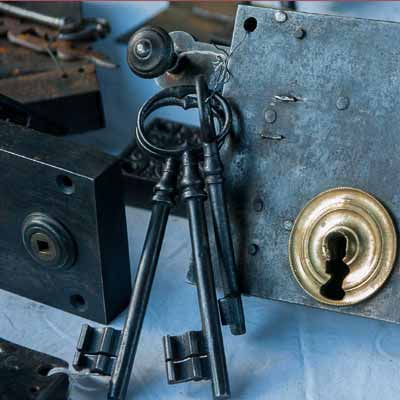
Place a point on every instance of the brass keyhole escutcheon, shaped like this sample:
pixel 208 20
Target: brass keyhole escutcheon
pixel 342 246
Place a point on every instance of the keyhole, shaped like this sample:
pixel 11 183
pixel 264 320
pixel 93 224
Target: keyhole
pixel 335 266
pixel 43 247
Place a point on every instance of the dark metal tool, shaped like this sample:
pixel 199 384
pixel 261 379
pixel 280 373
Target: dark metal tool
pixel 163 200
pixel 175 58
pixel 208 361
pixel 69 28
pixel 193 194
pixel 25 374
pixel 231 307
pixel 151 53
pixel 43 39
pixel 213 359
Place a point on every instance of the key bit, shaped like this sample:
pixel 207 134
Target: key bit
pixel 186 358
pixel 194 197
pixel 97 350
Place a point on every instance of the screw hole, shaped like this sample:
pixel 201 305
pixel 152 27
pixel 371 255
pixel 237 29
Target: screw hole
pixel 65 184
pixel 78 302
pixel 81 70
pixel 64 76
pixel 44 369
pixel 250 24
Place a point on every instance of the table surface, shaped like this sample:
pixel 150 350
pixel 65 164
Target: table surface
pixel 289 352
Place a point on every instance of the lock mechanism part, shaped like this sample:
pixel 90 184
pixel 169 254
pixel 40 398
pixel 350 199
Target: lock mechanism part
pixel 342 246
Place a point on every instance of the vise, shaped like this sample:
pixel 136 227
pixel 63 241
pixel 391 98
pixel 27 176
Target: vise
pixel 63 239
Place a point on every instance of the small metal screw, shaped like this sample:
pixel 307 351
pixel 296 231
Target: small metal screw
pixel 288 225
pixel 280 16
pixel 299 33
pixel 258 205
pixel 253 249
pixel 143 49
pixel 342 103
pixel 270 116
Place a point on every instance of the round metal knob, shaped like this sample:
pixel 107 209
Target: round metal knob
pixel 370 244
pixel 151 52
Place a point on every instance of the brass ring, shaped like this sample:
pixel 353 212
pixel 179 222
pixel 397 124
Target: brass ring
pixel 370 250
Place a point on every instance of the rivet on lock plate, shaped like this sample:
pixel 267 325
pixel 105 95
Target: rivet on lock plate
pixel 342 247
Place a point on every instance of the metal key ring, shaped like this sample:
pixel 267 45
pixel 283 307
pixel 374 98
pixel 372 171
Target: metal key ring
pixel 181 96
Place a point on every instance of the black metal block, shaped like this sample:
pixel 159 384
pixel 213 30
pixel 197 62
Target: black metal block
pixel 24 374
pixel 63 239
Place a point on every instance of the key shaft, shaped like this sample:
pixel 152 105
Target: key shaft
pixel 194 197
pixel 163 201
pixel 232 313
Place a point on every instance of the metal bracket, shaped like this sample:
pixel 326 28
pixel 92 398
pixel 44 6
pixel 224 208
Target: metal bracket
pixel 186 358
pixel 97 350
pixel 203 58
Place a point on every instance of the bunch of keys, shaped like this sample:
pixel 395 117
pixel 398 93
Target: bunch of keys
pixel 64 38
pixel 195 355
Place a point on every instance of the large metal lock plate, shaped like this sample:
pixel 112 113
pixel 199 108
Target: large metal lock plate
pixel 316 99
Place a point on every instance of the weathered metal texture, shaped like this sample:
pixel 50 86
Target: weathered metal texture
pixel 70 97
pixel 333 92
pixel 63 239
pixel 24 374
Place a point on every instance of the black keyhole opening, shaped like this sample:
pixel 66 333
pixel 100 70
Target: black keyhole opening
pixel 335 267
pixel 43 247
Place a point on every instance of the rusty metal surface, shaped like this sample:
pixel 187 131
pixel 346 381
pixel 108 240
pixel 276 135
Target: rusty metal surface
pixel 17 61
pixel 31 88
pixel 329 97
pixel 70 96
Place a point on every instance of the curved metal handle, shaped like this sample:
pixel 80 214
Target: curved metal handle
pixel 184 97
